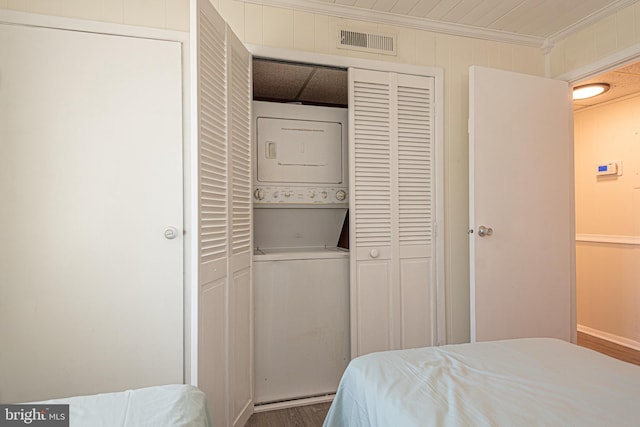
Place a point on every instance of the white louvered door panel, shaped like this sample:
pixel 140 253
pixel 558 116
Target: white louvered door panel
pixel 371 210
pixel 392 192
pixel 212 147
pixel 240 293
pixel 415 209
pixel 211 94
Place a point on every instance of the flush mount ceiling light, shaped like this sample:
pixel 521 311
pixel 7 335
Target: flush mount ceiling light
pixel 589 90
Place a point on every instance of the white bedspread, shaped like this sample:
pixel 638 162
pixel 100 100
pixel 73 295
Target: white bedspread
pixel 526 382
pixel 176 405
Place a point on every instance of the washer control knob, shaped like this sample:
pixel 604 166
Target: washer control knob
pixel 259 194
pixel 341 195
pixel 324 194
pixel 312 194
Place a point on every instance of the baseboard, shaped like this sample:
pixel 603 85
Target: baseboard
pixel 244 416
pixel 293 403
pixel 625 342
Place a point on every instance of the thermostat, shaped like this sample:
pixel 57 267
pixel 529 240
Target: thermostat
pixel 612 168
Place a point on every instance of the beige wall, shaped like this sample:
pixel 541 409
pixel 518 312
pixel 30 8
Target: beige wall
pixel 607 36
pixel 608 274
pixel 290 29
pixel 167 14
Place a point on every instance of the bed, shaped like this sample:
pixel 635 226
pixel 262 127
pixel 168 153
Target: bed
pixel 523 382
pixel 176 405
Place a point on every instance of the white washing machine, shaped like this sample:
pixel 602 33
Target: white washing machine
pixel 301 323
pixel 300 277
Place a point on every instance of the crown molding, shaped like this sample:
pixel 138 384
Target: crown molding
pixel 349 12
pixel 610 9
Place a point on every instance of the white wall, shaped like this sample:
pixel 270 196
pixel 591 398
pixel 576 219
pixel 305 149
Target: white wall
pixel 608 209
pixel 607 36
pixel 311 32
pixel 167 14
pixel 291 29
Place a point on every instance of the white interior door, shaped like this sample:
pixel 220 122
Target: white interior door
pixel 90 178
pixel 521 192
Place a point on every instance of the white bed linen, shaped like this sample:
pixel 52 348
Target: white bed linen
pixel 176 405
pixel 525 382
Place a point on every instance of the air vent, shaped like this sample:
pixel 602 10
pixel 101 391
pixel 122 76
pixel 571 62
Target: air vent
pixel 367 42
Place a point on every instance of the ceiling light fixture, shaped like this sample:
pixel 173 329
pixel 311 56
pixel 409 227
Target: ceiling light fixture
pixel 589 90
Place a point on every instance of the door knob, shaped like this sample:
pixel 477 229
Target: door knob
pixel 485 231
pixel 170 233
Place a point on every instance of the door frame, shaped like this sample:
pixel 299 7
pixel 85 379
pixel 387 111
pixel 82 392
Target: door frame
pixel 573 77
pixel 602 65
pixel 189 156
pixel 438 75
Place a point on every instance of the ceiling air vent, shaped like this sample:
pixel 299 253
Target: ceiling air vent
pixel 367 42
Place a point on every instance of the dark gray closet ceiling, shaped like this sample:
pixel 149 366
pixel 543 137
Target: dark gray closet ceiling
pixel 278 81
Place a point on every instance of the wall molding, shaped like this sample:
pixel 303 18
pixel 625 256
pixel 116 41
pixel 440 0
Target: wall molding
pixel 610 62
pixel 625 342
pixel 614 239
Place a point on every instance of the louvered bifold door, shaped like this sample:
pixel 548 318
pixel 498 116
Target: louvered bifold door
pixel 415 197
pixel 370 125
pixel 240 296
pixel 211 77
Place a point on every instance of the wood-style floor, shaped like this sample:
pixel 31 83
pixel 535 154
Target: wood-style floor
pixel 610 349
pixel 302 416
pixel 313 415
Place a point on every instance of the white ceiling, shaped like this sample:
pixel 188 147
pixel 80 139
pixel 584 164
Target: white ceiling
pixel 540 18
pixel 529 22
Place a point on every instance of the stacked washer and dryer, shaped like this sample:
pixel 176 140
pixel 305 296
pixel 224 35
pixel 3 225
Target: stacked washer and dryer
pixel 301 274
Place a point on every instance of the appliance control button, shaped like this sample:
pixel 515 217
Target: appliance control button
pixel 312 194
pixel 324 194
pixel 259 194
pixel 341 195
pixel 275 194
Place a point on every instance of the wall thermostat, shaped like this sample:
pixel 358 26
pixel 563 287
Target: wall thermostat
pixel 611 168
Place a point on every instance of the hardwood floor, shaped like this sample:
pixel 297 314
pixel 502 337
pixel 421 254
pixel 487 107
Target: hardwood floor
pixel 301 416
pixel 314 415
pixel 610 349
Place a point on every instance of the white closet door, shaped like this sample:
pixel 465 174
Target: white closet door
pixel 211 92
pixel 91 291
pixel 240 291
pixel 370 127
pixel 225 371
pixel 392 182
pixel 415 210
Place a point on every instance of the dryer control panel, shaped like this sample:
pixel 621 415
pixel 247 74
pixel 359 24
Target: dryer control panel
pixel 300 195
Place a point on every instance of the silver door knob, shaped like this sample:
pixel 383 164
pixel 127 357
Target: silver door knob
pixel 485 231
pixel 170 233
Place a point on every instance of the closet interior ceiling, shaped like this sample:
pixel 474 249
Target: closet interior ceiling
pixel 278 81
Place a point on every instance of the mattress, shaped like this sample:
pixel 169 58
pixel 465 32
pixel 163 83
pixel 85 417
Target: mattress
pixel 524 382
pixel 176 405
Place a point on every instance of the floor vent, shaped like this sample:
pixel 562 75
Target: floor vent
pixel 367 42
